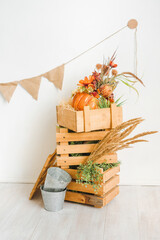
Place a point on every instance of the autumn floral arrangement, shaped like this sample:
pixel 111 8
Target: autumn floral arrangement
pixel 97 90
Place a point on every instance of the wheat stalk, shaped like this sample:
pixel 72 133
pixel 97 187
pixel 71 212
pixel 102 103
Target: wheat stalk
pixel 114 139
pixel 129 74
pixel 115 133
pixel 140 135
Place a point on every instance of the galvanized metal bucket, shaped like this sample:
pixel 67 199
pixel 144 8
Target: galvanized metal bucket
pixel 53 200
pixel 57 179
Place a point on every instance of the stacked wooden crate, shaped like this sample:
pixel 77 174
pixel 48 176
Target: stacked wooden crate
pixel 85 141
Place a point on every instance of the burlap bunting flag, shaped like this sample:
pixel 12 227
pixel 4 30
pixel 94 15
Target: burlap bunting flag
pixel 55 76
pixel 32 86
pixel 7 89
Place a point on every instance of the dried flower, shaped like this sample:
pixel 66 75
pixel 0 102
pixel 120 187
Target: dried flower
pixel 111 98
pixel 97 76
pixel 95 94
pixel 114 72
pixel 99 66
pixel 112 64
pixel 86 81
pixel 105 69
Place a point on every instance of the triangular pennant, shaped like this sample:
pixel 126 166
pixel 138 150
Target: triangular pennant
pixel 55 76
pixel 32 85
pixel 7 89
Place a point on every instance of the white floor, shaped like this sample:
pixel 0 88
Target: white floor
pixel 133 214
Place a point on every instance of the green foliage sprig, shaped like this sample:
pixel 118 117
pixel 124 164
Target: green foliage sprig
pixel 118 103
pixel 90 173
pixel 104 103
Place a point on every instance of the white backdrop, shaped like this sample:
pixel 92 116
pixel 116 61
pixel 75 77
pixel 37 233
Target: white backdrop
pixel 38 35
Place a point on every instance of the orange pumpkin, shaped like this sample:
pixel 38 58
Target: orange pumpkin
pixel 84 99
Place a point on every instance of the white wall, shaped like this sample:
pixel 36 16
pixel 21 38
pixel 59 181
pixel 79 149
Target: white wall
pixel 36 36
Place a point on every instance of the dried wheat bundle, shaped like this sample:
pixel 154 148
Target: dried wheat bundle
pixel 116 139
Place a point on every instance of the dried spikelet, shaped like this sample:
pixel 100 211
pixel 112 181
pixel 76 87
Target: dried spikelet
pixel 113 140
pixel 133 75
pixel 128 131
pixel 136 141
pixel 114 134
pixel 139 135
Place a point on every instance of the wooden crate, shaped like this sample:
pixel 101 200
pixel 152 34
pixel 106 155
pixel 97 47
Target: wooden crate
pixel 64 149
pixel 85 143
pixel 89 120
pixel 86 194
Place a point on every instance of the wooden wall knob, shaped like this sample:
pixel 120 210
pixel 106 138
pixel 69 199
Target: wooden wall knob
pixel 132 23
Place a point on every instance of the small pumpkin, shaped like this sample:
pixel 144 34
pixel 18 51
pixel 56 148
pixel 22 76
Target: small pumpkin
pixel 84 99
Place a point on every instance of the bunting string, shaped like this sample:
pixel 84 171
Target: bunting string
pixel 96 45
pixel 56 75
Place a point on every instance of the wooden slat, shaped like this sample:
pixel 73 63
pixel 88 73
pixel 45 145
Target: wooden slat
pixel 92 200
pixel 70 118
pixel 64 130
pixel 79 121
pixel 110 173
pixel 87 120
pixel 90 136
pixel 111 183
pixel 106 174
pixel 83 188
pixel 51 159
pixel 100 119
pixel 116 115
pixel 61 161
pixel 77 148
pixel 110 195
pixel 107 186
pixel 67 118
pixel 84 198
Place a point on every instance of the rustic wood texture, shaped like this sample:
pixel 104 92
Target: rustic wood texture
pixel 71 119
pixel 93 200
pixel 64 130
pixel 41 178
pixel 64 149
pixel 89 120
pixel 71 161
pixel 116 116
pixel 87 188
pixel 77 148
pixel 100 119
pixel 90 136
pixel 106 174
